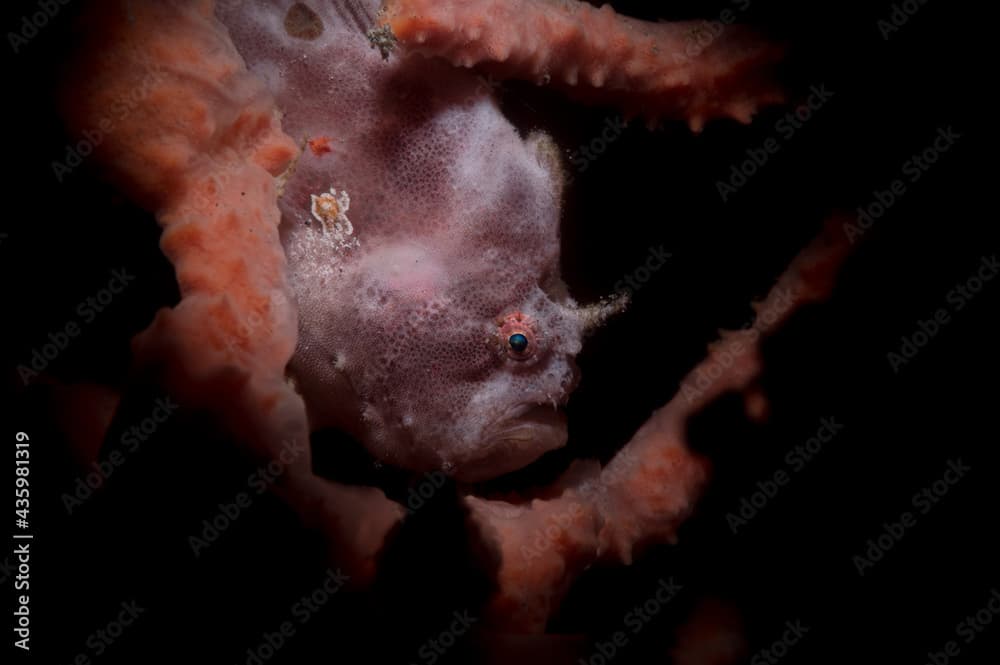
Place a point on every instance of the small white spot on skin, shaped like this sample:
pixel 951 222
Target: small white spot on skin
pixel 408 270
pixel 330 210
pixel 341 363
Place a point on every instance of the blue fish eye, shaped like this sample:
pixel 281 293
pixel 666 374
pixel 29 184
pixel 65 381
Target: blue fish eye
pixel 518 342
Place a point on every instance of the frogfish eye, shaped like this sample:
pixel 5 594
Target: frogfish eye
pixel 518 342
pixel 517 336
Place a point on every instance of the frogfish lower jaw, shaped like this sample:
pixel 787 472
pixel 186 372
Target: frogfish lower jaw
pixel 516 443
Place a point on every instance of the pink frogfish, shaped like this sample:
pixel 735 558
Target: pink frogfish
pixel 363 241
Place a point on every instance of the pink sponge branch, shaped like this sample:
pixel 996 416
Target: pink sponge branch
pixel 656 464
pixel 650 487
pixel 188 132
pixel 688 70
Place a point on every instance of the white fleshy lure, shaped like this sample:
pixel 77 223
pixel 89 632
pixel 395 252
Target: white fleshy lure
pixel 330 210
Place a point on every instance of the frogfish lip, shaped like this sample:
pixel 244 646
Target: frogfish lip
pixel 516 440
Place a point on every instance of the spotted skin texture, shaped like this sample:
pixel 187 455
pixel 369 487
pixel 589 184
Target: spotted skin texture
pixel 455 226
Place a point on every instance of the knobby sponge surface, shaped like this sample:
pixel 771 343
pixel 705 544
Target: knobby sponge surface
pixel 681 70
pixel 191 135
pixel 650 487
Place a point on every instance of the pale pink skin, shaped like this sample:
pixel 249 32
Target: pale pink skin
pixel 456 219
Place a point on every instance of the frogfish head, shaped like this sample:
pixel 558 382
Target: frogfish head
pixel 461 366
pixel 444 338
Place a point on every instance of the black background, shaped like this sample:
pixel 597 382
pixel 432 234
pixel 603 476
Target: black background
pixel 649 188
